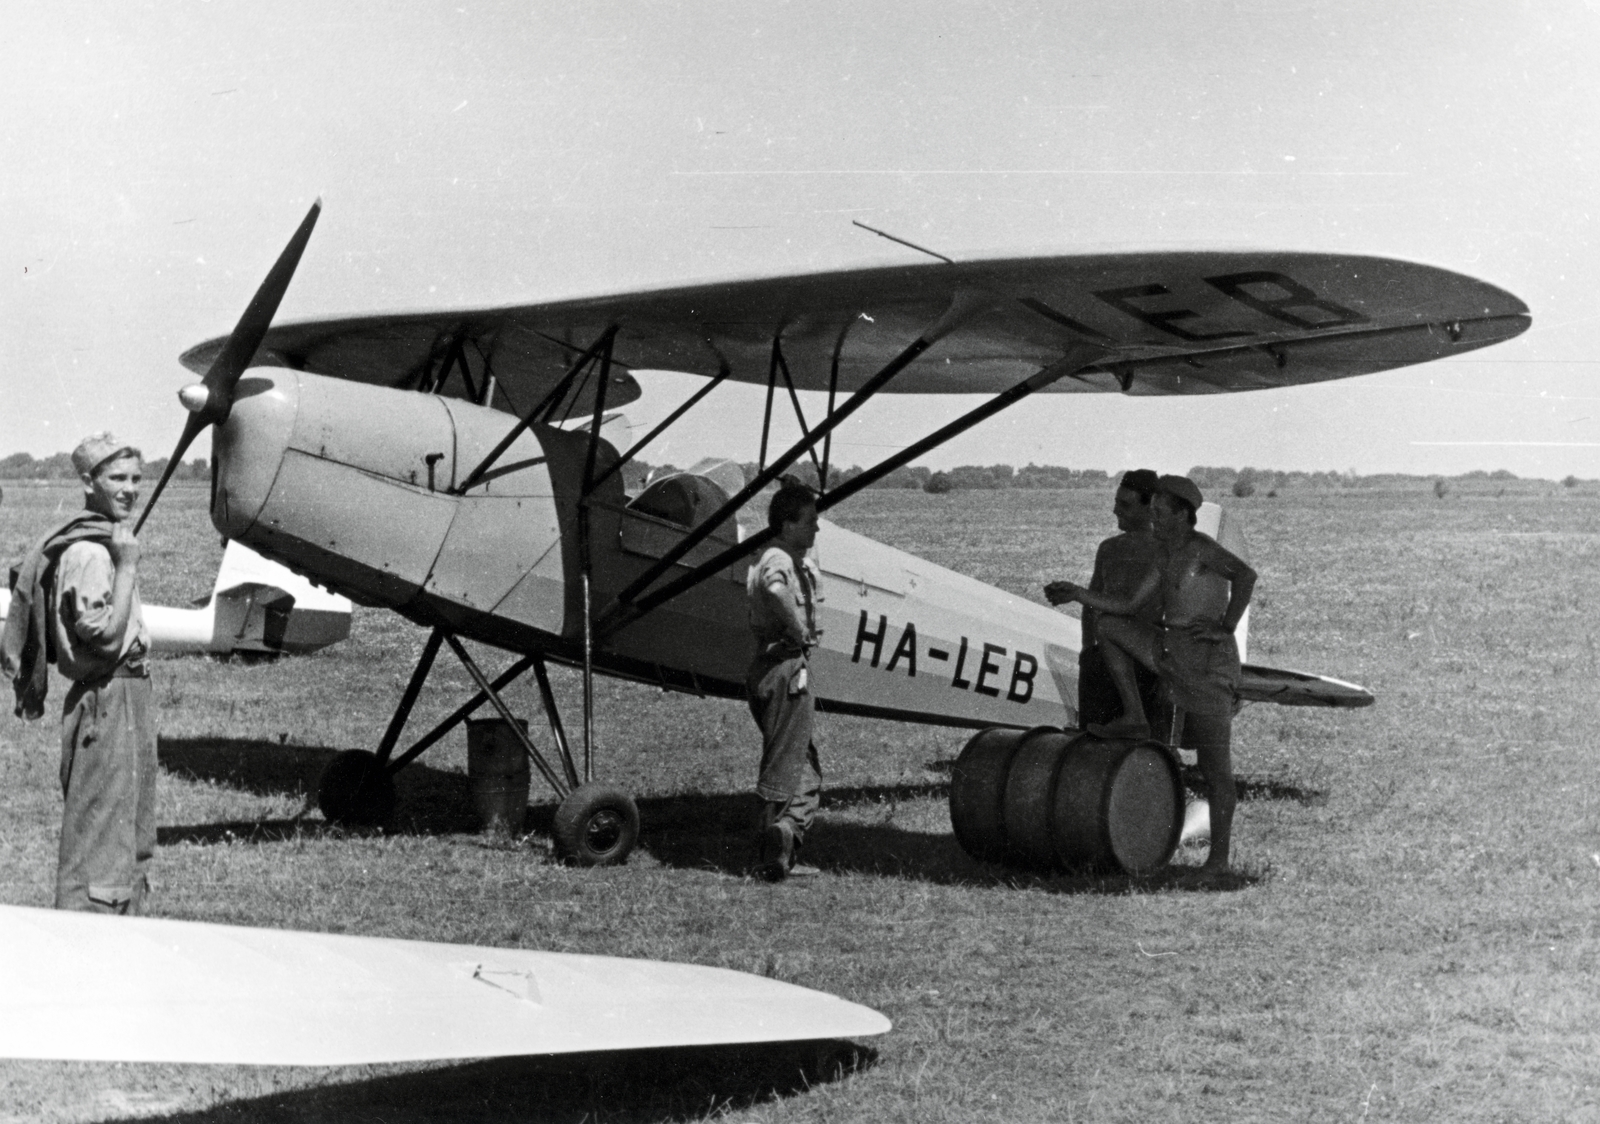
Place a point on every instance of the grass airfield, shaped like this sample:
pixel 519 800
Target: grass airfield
pixel 1412 935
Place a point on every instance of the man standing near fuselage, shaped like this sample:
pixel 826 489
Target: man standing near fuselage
pixel 1121 565
pixel 77 598
pixel 783 591
pixel 1203 590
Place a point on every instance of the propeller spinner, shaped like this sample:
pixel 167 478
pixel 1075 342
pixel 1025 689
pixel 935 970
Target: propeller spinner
pixel 209 400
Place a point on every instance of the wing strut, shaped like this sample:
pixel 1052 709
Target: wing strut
pixel 544 407
pixel 779 365
pixel 965 305
pixel 586 556
pixel 766 415
pixel 799 414
pixel 711 385
pixel 1078 357
pixel 833 390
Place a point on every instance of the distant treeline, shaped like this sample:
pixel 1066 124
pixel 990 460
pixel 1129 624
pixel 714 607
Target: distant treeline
pixel 1212 480
pixel 916 477
pixel 968 477
pixel 1251 481
pixel 21 466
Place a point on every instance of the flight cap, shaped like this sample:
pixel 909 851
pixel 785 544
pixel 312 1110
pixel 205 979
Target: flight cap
pixel 1141 480
pixel 1184 489
pixel 98 448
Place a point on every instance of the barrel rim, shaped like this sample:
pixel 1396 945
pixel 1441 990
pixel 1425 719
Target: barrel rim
pixel 1174 767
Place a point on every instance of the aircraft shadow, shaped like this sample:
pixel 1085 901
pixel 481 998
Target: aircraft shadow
pixel 703 831
pixel 430 801
pixel 717 832
pixel 634 1085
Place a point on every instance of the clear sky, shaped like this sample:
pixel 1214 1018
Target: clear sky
pixel 157 156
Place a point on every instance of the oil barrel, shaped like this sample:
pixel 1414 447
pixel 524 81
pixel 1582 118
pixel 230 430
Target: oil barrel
pixel 1028 806
pixel 1052 799
pixel 497 774
pixel 1118 805
pixel 978 789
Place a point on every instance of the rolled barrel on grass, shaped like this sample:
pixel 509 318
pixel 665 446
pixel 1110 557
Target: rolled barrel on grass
pixel 1049 799
pixel 1118 805
pixel 978 789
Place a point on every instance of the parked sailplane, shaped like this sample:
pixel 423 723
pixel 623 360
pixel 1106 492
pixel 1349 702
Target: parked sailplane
pixel 257 608
pixel 81 987
pixel 452 466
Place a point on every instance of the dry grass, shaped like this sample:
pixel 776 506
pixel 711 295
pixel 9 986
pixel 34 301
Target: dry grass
pixel 1414 938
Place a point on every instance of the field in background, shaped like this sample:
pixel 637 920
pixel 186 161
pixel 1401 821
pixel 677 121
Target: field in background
pixel 1414 937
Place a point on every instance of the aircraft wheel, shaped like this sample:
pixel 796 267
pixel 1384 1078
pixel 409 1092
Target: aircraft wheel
pixel 596 825
pixel 354 791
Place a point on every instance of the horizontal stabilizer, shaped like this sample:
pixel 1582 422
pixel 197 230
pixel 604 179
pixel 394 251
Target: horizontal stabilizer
pixel 94 988
pixel 1299 688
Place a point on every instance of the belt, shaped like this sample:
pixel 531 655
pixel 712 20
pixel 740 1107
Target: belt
pixel 131 670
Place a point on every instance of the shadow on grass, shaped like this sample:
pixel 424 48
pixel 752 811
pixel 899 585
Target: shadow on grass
pixel 701 831
pixel 635 1085
pixel 717 832
pixel 428 801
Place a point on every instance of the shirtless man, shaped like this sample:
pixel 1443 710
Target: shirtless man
pixel 1204 591
pixel 1120 567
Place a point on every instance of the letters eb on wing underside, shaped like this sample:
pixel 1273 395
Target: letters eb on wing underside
pixel 1170 323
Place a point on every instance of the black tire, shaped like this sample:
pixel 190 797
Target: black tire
pixel 355 791
pixel 596 825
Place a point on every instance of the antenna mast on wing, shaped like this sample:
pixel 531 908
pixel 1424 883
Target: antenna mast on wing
pixel 903 242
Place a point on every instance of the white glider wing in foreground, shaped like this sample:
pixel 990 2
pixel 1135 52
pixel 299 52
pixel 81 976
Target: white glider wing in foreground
pixel 90 988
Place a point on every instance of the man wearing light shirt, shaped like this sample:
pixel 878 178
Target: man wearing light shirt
pixel 77 601
pixel 783 591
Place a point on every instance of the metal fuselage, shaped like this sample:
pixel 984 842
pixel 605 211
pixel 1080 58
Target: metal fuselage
pixel 355 486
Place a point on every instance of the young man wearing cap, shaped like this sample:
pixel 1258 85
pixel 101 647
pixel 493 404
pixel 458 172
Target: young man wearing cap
pixel 783 592
pixel 77 600
pixel 1120 566
pixel 1203 590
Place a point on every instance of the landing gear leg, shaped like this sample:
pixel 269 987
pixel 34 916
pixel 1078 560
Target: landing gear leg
pixel 357 787
pixel 596 824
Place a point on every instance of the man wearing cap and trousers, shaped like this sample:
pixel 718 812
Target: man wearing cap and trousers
pixel 1203 590
pixel 76 602
pixel 783 591
pixel 1120 567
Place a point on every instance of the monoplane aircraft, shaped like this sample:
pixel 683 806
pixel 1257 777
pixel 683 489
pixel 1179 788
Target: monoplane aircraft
pixel 450 465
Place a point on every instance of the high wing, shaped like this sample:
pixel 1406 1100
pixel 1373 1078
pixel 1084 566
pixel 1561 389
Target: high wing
pixel 1171 323
pixel 84 987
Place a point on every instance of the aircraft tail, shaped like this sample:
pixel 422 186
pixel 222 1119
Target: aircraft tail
pixel 1270 684
pixel 256 607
